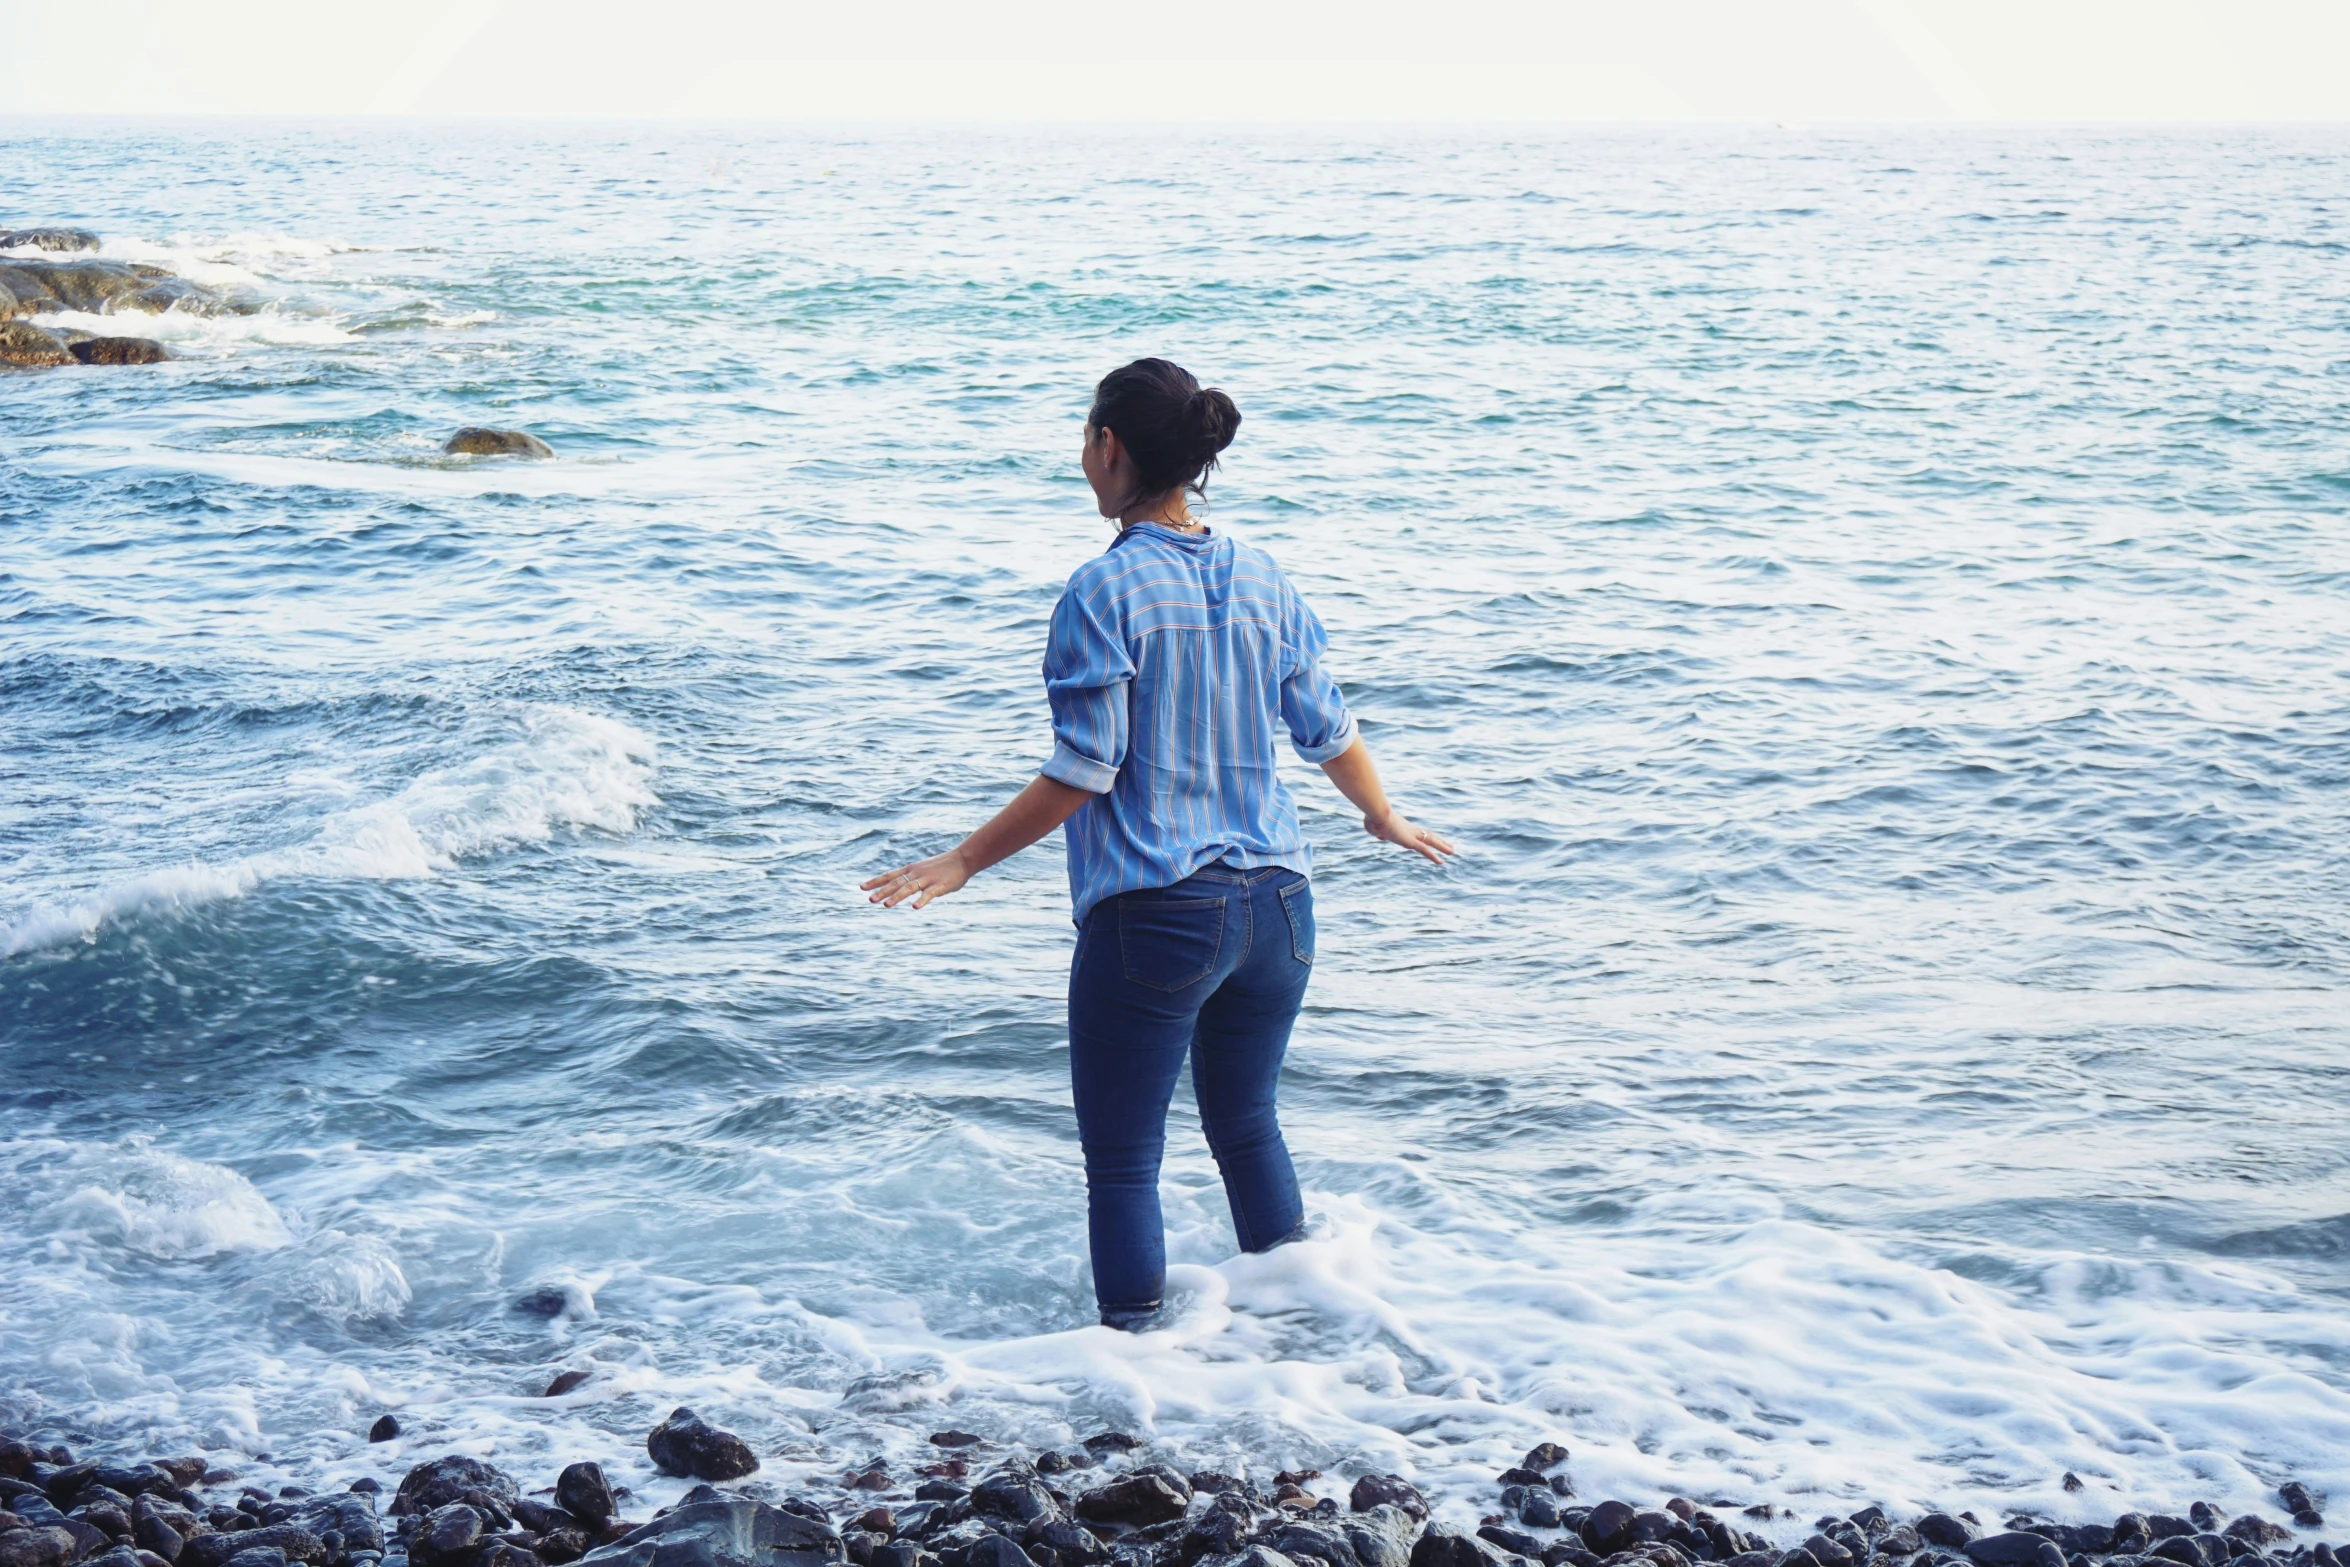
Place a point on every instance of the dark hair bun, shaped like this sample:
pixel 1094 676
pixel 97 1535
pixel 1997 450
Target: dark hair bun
pixel 1173 428
pixel 1215 420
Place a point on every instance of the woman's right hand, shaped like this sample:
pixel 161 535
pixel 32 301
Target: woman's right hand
pixel 1393 828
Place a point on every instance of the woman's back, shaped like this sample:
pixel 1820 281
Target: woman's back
pixel 1172 657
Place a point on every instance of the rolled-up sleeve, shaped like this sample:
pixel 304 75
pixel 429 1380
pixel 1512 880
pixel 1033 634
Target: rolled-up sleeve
pixel 1086 675
pixel 1320 727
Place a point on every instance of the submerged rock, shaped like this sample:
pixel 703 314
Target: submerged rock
pixel 48 239
pixel 686 1444
pixel 731 1531
pixel 120 351
pixel 481 441
pixel 384 1429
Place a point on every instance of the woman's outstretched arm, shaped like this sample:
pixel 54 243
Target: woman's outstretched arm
pixel 1358 780
pixel 1034 811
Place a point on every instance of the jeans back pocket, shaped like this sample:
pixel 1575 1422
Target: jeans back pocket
pixel 1297 901
pixel 1169 943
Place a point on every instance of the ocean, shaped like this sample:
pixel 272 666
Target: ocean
pixel 1873 607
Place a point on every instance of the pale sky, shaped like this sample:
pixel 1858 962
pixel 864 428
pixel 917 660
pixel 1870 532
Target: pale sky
pixel 1802 61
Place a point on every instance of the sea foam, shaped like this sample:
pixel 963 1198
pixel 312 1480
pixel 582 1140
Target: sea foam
pixel 565 769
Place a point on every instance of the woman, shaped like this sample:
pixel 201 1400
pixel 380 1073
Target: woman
pixel 1173 656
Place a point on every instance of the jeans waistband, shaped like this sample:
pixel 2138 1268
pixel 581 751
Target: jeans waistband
pixel 1236 876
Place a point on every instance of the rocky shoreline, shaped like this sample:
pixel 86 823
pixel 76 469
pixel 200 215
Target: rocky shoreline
pixel 1103 1503
pixel 33 287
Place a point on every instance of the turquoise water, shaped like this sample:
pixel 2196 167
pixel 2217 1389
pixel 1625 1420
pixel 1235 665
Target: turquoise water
pixel 1871 606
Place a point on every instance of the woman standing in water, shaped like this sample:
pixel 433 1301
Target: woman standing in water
pixel 1174 657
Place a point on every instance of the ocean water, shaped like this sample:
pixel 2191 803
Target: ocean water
pixel 1874 608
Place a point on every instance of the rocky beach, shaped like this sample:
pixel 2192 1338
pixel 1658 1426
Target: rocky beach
pixel 1109 1501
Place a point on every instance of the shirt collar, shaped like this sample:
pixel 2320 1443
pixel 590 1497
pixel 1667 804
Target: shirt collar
pixel 1157 530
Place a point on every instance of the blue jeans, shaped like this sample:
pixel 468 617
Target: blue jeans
pixel 1214 966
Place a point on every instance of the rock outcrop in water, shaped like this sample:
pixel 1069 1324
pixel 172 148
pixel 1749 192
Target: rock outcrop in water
pixel 481 441
pixel 32 287
pixel 22 343
pixel 48 239
pixel 457 1511
pixel 104 288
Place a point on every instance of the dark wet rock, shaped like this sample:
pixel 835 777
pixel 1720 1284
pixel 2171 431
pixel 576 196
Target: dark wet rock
pixel 1544 1456
pixel 1226 1525
pixel 2256 1530
pixel 547 1300
pixel 1015 1493
pixel 997 1551
pixel 384 1429
pixel 1538 1508
pixel 1945 1530
pixel 1071 1544
pixel 2130 1534
pixel 952 1438
pixel 1844 1533
pixel 2163 1526
pixel 155 1534
pixel 1752 1559
pixel 1517 1474
pixel 1147 1496
pixel 1439 1546
pixel 2086 1539
pixel 2205 1517
pixel 1102 1442
pixel 16 1457
pixel 111 1518
pixel 481 441
pixel 1900 1540
pixel 48 239
pixel 568 1382
pixel 1827 1552
pixel 2292 1493
pixel 686 1444
pixel 298 1544
pixel 440 1481
pixel 2011 1548
pixel 350 1515
pixel 36 1545
pixel 582 1491
pixel 940 1491
pixel 1607 1529
pixel 1387 1491
pixel 1515 1541
pixel 1567 1553
pixel 533 1516
pixel 259 1556
pixel 566 1544
pixel 448 1535
pixel 1214 1482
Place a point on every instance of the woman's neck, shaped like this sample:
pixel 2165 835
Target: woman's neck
pixel 1168 512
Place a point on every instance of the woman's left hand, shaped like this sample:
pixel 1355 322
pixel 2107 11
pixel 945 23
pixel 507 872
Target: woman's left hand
pixel 923 881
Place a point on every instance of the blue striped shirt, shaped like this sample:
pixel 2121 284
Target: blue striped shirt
pixel 1172 657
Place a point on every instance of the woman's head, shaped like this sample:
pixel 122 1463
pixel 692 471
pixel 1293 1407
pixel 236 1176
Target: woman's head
pixel 1154 432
